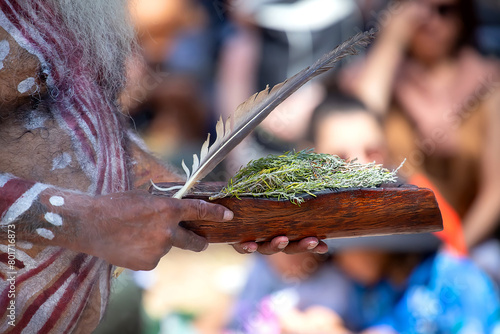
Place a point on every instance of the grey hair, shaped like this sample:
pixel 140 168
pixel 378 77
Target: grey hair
pixel 104 31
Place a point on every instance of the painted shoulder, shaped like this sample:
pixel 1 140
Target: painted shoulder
pixel 19 73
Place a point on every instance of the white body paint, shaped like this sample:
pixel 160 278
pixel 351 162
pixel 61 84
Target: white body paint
pixel 22 204
pixel 24 244
pixel 4 51
pixel 57 200
pixel 44 233
pixel 35 120
pixel 26 85
pixel 4 178
pixel 62 161
pixel 96 148
pixel 53 218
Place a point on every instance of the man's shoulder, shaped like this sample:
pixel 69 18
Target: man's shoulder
pixel 19 70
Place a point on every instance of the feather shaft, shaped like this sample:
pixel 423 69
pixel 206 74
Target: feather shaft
pixel 254 110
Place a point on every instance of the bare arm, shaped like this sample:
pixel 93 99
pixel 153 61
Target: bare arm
pixel 374 84
pixel 484 214
pixel 130 229
pixel 147 168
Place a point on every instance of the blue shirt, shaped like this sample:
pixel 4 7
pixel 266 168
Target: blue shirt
pixel 447 294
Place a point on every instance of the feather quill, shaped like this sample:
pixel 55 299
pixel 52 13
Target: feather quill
pixel 253 111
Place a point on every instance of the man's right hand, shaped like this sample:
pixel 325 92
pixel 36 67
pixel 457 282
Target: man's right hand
pixel 135 229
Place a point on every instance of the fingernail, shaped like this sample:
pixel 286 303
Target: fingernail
pixel 282 244
pixel 312 245
pixel 249 249
pixel 228 215
pixel 321 252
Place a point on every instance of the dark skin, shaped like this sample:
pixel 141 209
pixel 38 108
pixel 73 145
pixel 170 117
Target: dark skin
pixel 138 224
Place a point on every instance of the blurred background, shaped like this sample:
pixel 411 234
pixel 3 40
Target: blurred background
pixel 427 89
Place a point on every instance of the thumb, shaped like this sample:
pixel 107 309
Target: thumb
pixel 192 209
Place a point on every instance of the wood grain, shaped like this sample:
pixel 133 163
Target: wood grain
pixel 389 209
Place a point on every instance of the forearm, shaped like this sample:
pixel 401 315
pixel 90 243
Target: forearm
pixel 482 218
pixel 38 213
pixel 135 223
pixel 145 167
pixel 374 84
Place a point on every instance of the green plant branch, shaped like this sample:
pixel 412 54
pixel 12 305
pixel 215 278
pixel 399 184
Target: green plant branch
pixel 294 174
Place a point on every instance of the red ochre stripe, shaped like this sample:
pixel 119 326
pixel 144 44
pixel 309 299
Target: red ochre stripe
pixel 78 313
pixel 11 191
pixel 54 48
pixel 4 257
pixel 30 311
pixel 17 10
pixel 67 298
pixel 21 278
pixel 81 134
pixel 51 54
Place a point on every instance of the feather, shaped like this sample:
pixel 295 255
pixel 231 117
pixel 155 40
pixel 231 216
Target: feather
pixel 253 111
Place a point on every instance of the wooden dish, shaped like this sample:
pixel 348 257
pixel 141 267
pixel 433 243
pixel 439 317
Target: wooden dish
pixel 388 209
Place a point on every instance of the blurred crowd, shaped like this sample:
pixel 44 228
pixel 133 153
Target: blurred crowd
pixel 427 90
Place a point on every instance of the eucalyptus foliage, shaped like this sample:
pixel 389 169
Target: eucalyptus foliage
pixel 294 174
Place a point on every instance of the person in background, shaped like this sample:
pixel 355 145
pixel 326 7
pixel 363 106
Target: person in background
pixel 396 278
pixel 389 281
pixel 439 99
pixel 301 293
pixel 272 41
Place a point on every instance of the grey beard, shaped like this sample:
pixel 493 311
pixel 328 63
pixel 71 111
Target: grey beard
pixel 105 33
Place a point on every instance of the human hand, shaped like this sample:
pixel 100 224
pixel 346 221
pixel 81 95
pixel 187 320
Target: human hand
pixel 135 229
pixel 282 244
pixel 403 20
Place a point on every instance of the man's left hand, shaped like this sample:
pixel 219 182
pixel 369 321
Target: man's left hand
pixel 282 244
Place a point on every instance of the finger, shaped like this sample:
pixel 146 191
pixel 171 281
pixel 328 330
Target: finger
pixel 246 247
pixel 309 244
pixel 188 240
pixel 274 246
pixel 193 209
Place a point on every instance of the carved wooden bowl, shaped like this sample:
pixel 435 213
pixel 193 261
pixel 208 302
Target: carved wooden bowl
pixel 388 209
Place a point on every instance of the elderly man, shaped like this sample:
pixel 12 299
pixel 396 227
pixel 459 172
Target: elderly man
pixel 68 166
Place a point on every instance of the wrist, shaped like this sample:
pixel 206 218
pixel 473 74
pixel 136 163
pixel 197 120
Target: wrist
pixel 394 40
pixel 69 215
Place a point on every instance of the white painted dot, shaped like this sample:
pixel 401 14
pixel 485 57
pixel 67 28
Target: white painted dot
pixel 62 161
pixel 35 120
pixel 4 51
pixel 43 232
pixel 56 201
pixel 54 218
pixel 26 85
pixel 24 244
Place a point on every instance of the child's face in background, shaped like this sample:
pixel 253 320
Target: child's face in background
pixel 355 135
pixel 351 135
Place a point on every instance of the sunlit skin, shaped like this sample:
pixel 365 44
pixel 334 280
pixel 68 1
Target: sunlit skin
pixel 351 135
pixel 73 184
pixel 424 35
pixel 355 135
pixel 436 34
